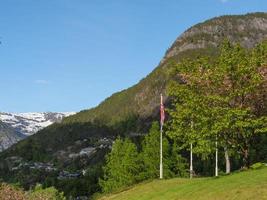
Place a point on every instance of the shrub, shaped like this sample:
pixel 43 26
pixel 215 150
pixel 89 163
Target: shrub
pixel 45 194
pixel 257 165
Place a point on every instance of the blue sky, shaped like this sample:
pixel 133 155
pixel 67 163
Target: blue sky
pixel 69 55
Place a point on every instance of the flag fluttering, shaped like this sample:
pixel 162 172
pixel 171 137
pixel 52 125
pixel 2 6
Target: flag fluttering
pixel 162 112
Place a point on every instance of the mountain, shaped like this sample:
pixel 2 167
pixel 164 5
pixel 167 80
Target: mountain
pixel 8 136
pixel 29 123
pixel 126 113
pixel 17 126
pixel 142 99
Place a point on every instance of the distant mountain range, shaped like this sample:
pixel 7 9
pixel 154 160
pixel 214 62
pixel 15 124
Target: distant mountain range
pixel 16 126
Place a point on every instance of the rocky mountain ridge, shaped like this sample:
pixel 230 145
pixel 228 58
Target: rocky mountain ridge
pixel 247 30
pixel 142 99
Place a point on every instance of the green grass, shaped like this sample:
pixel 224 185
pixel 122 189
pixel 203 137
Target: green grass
pixel 250 184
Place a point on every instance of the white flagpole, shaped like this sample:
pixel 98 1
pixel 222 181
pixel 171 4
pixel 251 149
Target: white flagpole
pixel 161 167
pixel 161 124
pixel 191 160
pixel 216 158
pixel 191 155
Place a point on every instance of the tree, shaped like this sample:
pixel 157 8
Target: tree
pixel 122 166
pixel 241 81
pixel 217 97
pixel 150 155
pixel 190 115
pixel 178 164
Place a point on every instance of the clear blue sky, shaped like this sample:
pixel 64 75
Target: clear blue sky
pixel 69 55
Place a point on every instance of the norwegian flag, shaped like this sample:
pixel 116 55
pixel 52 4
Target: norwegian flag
pixel 162 112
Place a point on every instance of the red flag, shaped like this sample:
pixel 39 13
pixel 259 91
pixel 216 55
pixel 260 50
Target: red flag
pixel 162 113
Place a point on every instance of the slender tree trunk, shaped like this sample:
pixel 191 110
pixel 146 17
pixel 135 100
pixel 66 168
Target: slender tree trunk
pixel 191 161
pixel 227 161
pixel 245 156
pixel 245 159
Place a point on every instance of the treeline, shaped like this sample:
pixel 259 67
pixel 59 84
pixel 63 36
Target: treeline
pixel 216 104
pixel 126 164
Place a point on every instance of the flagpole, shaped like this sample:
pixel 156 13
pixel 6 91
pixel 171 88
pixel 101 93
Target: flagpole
pixel 216 158
pixel 191 160
pixel 161 167
pixel 161 124
pixel 191 154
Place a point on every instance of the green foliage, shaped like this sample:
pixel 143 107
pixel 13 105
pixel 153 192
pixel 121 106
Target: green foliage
pixel 10 192
pixel 122 166
pixel 214 100
pixel 258 165
pixel 177 163
pixel 150 155
pixel 50 193
pixel 125 166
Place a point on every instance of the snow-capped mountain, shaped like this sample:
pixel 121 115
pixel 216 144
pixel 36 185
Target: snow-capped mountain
pixel 16 126
pixel 29 123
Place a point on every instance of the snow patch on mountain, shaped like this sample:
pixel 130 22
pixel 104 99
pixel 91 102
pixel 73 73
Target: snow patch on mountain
pixel 32 122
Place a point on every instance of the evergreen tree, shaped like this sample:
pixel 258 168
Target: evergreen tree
pixel 150 155
pixel 122 166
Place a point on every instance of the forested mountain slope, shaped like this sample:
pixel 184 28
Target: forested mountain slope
pixel 143 98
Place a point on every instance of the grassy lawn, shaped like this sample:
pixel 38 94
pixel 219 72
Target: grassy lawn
pixel 250 184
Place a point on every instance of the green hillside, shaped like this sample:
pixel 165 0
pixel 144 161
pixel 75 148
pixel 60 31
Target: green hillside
pixel 244 185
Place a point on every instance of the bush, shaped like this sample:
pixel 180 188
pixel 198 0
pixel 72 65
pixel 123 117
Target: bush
pixel 8 192
pixel 45 194
pixel 258 165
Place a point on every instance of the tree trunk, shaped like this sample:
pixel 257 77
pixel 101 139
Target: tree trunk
pixel 191 161
pixel 245 155
pixel 227 161
pixel 245 159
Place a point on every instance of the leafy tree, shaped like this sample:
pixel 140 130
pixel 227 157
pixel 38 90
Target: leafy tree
pixel 190 115
pixel 213 100
pixel 122 167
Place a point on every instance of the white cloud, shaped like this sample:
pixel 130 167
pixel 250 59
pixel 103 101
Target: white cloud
pixel 41 81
